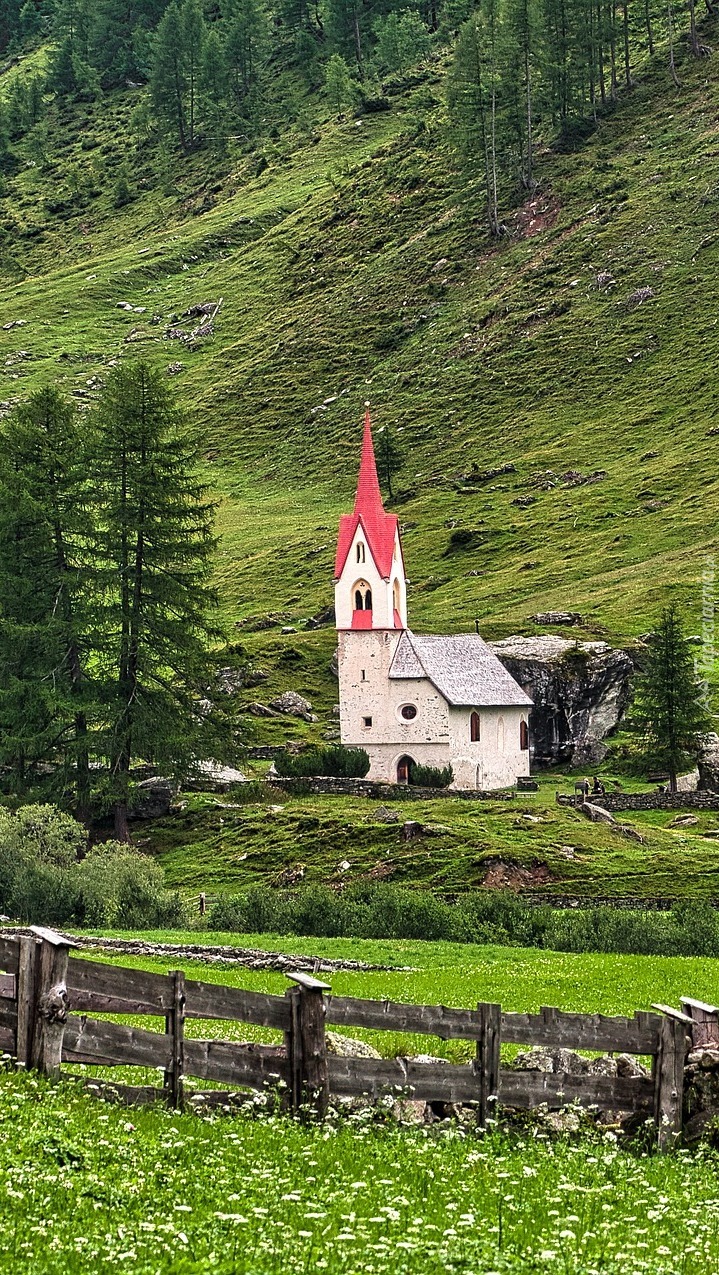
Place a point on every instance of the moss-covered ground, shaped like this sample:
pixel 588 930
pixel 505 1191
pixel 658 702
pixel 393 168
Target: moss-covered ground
pixel 219 844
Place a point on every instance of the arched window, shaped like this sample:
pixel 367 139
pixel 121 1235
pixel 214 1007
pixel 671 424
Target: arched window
pixel 360 552
pixel 474 728
pixel 396 595
pixel 362 596
pixel 500 735
pixel 523 735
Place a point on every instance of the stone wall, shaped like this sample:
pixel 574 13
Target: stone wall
pixel 327 785
pixel 657 801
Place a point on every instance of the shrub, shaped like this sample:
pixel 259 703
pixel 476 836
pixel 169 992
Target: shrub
pixel 336 761
pixel 430 776
pixel 47 878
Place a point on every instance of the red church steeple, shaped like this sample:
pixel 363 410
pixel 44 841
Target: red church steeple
pixel 380 528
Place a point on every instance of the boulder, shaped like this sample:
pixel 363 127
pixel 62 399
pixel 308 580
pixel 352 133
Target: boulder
pixel 294 705
pixel 152 799
pixel 629 1068
pixel 542 1058
pixel 566 618
pixel 708 765
pixel 348 1047
pixel 384 815
pixel 580 692
pixel 597 814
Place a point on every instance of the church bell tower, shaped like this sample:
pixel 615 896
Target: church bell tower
pixel 370 602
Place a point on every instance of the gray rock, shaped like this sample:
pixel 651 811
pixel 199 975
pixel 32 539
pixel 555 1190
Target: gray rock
pixel 580 692
pixel 708 765
pixel 555 1060
pixel 629 1068
pixel 567 618
pixel 348 1047
pixel 597 814
pixel 152 799
pixel 602 1067
pixel 384 815
pixel 293 705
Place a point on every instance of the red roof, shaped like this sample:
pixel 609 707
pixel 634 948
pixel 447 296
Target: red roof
pixel 380 528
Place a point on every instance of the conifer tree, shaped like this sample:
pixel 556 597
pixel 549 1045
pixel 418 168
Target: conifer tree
pixel 214 81
pixel 156 546
pixel 668 710
pixel 246 38
pixel 390 457
pixel 45 591
pixel 339 86
pixel 168 79
pixel 472 99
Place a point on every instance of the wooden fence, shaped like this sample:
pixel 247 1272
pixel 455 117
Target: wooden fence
pixel 48 997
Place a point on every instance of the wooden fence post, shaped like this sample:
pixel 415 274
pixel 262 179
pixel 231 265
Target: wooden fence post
pixel 175 1029
pixel 49 1003
pixel 487 1063
pixel 27 973
pixel 309 1073
pixel 669 1081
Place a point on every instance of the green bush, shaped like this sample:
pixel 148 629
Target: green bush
pixel 336 761
pixel 430 776
pixel 48 877
pixel 384 911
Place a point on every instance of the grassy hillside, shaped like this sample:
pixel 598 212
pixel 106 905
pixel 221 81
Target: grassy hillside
pixel 352 266
pixel 528 844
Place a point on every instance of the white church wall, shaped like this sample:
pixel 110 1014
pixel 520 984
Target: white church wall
pixel 496 760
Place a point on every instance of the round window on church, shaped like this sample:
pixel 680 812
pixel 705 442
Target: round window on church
pixel 408 712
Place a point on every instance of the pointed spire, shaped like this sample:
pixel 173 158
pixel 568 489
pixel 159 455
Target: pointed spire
pixel 368 500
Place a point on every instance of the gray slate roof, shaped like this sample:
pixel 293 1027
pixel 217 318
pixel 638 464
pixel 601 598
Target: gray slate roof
pixel 461 667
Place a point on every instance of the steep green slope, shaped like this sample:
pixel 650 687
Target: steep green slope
pixel 353 267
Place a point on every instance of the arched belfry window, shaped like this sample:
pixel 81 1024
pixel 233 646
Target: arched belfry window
pixel 523 735
pixel 500 735
pixel 362 596
pixel 396 595
pixel 360 552
pixel 474 732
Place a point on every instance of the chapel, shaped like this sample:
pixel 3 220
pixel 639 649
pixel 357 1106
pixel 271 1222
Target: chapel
pixel 431 700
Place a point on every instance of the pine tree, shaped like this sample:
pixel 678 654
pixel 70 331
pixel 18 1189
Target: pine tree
pixel 156 550
pixel 214 85
pixel 390 457
pixel 168 78
pixel 45 590
pixel 668 709
pixel 338 85
pixel 246 39
pixel 193 34
pixel 402 40
pixel 472 99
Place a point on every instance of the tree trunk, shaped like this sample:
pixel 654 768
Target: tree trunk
pixel 672 67
pixel 694 43
pixel 600 55
pixel 625 28
pixel 650 32
pixel 530 139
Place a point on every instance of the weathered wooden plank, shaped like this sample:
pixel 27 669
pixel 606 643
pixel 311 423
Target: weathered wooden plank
pixel 115 989
pixel 9 953
pixel 215 1000
pixel 310 984
pixel 677 1014
pixel 175 1029
pixel 8 987
pixel 488 1047
pixel 8 1040
pixel 29 956
pixel 430 1020
pixel 50 1003
pixel 613 1093
pixel 8 1015
pixel 669 1082
pixel 429 1082
pixel 705 1023
pixel 556 1029
pixel 51 936
pixel 90 1040
pixel 235 1064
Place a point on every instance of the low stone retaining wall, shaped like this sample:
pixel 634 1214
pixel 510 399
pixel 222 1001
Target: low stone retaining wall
pixel 657 801
pixel 326 785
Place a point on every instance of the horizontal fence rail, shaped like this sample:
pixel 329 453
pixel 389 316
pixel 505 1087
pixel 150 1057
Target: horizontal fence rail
pixel 49 999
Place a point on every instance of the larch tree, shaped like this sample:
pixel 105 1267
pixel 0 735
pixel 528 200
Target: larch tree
pixel 669 712
pixel 168 78
pixel 156 547
pixel 473 106
pixel 46 590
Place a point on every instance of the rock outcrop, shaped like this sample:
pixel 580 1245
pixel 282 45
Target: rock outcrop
pixel 580 691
